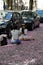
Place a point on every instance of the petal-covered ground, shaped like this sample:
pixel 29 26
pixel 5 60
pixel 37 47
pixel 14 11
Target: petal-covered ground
pixel 27 53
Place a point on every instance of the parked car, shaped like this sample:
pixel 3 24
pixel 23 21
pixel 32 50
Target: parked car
pixel 40 13
pixel 31 19
pixel 12 18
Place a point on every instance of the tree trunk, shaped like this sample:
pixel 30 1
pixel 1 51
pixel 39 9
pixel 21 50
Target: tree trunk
pixel 9 2
pixel 31 5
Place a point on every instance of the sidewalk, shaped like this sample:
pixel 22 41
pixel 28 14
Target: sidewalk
pixel 27 53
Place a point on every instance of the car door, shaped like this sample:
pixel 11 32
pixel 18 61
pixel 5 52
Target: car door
pixel 14 17
pixel 19 20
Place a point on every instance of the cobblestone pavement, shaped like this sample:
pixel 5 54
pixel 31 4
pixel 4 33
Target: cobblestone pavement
pixel 27 53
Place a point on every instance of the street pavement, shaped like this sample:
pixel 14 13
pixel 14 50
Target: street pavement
pixel 27 53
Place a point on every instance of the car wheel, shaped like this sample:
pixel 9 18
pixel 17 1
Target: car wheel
pixel 32 27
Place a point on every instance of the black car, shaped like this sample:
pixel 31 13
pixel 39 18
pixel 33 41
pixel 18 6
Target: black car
pixel 11 19
pixel 31 19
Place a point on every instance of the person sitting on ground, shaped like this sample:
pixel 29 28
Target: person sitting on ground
pixel 23 32
pixel 3 39
pixel 15 36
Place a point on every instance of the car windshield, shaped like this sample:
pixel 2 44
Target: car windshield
pixel 27 14
pixel 8 16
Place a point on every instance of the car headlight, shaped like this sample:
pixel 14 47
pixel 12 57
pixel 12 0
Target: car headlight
pixel 25 21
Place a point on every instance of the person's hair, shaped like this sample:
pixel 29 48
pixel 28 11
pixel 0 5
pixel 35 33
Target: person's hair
pixel 23 25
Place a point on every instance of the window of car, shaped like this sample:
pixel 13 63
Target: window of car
pixel 16 15
pixel 8 16
pixel 26 14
